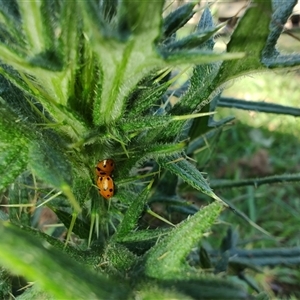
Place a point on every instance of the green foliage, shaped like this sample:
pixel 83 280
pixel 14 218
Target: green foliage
pixel 83 81
pixel 166 260
pixel 39 262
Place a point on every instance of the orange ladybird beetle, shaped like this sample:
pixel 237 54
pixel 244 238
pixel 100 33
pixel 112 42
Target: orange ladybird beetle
pixel 105 167
pixel 106 186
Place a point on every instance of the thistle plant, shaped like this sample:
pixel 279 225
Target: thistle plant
pixel 83 81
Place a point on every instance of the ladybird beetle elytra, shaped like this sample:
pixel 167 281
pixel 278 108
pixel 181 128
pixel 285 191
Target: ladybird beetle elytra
pixel 105 166
pixel 106 186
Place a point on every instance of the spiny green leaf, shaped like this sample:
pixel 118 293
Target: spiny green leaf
pixel 167 259
pixel 194 40
pixel 81 256
pixel 161 149
pixel 151 122
pixel 199 94
pixel 281 13
pixel 179 166
pixel 82 185
pixel 185 170
pixel 69 22
pixel 14 141
pixel 144 236
pixel 133 213
pixel 86 80
pixel 144 123
pixel 252 45
pixel 147 95
pixel 13 161
pixel 48 162
pixel 119 257
pixel 176 19
pixel 13 58
pixel 119 59
pixel 33 25
pixel 282 61
pixel 206 22
pixel 196 99
pixel 23 254
pixel 183 57
pixel 244 40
